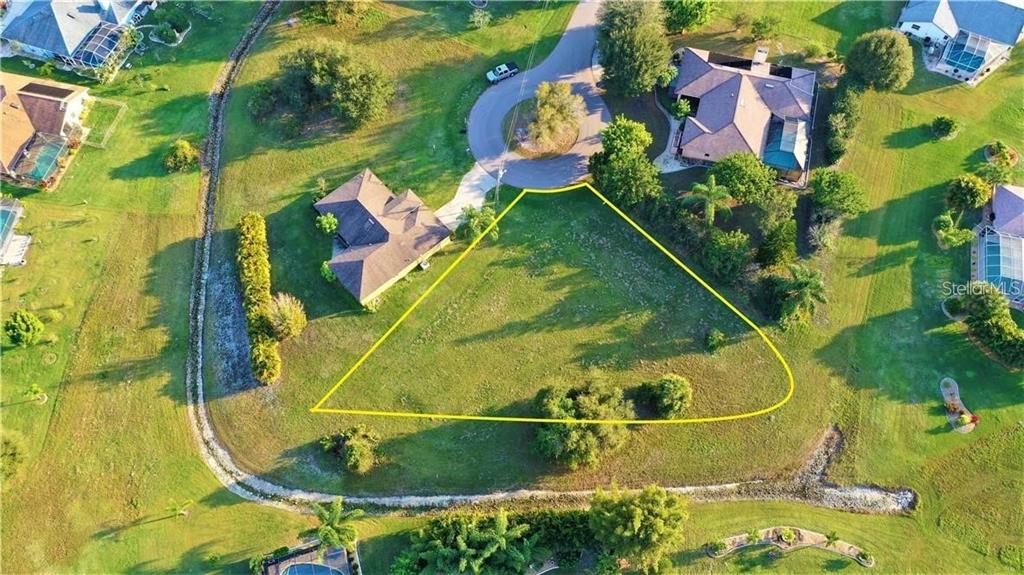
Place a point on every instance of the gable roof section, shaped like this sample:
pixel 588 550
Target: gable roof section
pixel 61 26
pixel 736 105
pixel 27 109
pixel 1008 206
pixel 999 20
pixel 383 234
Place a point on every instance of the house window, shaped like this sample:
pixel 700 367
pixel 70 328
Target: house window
pixel 915 27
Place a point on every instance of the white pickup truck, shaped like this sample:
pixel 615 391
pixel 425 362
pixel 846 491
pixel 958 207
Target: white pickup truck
pixel 506 70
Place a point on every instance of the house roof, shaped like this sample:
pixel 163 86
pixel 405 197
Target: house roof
pixel 30 105
pixel 383 233
pixel 60 26
pixel 1008 207
pixel 999 20
pixel 737 101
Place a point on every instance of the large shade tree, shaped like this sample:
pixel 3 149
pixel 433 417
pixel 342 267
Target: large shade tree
pixel 634 51
pixel 746 177
pixel 640 527
pixel 688 14
pixel 622 169
pixel 558 112
pixel 582 444
pixel 882 60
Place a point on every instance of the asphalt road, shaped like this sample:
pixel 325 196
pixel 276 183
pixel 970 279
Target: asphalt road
pixel 570 61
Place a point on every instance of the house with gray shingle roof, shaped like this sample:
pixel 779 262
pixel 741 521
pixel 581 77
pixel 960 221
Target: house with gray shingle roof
pixel 998 253
pixel 745 105
pixel 964 39
pixel 79 34
pixel 381 237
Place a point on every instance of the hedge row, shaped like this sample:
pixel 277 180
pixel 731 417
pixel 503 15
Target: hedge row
pixel 842 122
pixel 988 317
pixel 253 259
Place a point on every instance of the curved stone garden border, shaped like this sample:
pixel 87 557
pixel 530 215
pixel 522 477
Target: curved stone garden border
pixel 804 538
pixel 955 407
pixel 809 486
pixel 991 159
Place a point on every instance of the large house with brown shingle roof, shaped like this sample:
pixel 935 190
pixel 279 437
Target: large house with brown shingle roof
pixel 37 117
pixel 381 237
pixel 745 105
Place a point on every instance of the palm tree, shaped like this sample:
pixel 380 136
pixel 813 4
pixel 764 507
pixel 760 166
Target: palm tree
pixel 179 509
pixel 710 197
pixel 804 291
pixel 831 538
pixel 336 528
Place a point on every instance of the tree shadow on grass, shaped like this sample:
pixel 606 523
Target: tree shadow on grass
pixel 910 137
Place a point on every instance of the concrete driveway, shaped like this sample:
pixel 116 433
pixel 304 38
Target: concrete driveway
pixel 571 62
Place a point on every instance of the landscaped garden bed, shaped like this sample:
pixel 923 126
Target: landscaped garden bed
pixel 787 540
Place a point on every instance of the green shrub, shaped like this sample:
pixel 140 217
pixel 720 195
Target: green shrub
pixel 287 316
pixel 814 50
pixel 727 254
pixel 165 32
pixel 688 14
pixel 263 102
pixel 327 223
pixel 11 458
pixel 779 245
pixel 765 27
pixel 989 319
pixel 326 272
pixel 943 221
pixel 582 444
pixel 182 157
pixel 669 396
pixel 474 222
pixel 639 527
pixel 994 173
pixel 956 237
pixel 565 533
pixel 946 127
pixel 266 360
pixel 715 340
pixel 681 108
pixel 787 535
pixel 955 305
pixel 837 194
pixel 842 121
pixel 354 446
pixel 479 19
pixel 747 178
pixel 23 328
pixel 1000 152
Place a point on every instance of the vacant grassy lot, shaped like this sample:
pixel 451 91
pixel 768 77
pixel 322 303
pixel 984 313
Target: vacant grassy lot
pixel 109 272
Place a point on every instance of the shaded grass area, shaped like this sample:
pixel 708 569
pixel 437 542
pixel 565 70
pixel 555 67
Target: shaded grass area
pixel 100 120
pixel 109 271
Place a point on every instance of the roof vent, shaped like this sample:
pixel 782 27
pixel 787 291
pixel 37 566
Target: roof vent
pixel 769 85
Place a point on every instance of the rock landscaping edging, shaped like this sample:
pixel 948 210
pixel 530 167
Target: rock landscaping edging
pixel 802 538
pixel 809 486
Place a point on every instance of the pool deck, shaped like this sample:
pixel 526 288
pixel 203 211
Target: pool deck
pixel 336 559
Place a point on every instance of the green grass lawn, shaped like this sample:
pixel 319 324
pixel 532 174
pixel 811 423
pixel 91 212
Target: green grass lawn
pixel 109 271
pixel 101 120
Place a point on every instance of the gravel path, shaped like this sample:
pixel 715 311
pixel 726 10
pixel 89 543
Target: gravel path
pixel 809 486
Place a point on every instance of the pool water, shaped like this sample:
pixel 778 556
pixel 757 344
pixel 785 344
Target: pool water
pixel 310 569
pixel 7 217
pixel 46 161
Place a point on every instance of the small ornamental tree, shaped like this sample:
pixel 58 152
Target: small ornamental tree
pixel 968 192
pixel 765 27
pixel 263 102
pixel 688 14
pixel 621 169
pixel 715 340
pixel 634 49
pixel 266 360
pixel 639 527
pixel 474 223
pixel 327 223
pixel 337 526
pixel 804 289
pixel 182 157
pixel 287 316
pixel 669 396
pixel 711 198
pixel 23 328
pixel 582 444
pixel 779 245
pixel 558 112
pixel 946 127
pixel 837 194
pixel 746 177
pixel 882 60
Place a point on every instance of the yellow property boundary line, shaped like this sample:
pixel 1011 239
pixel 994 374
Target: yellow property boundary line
pixel 318 408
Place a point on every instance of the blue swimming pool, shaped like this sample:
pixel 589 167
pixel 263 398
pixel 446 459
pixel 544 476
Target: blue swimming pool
pixel 310 569
pixel 46 161
pixel 8 216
